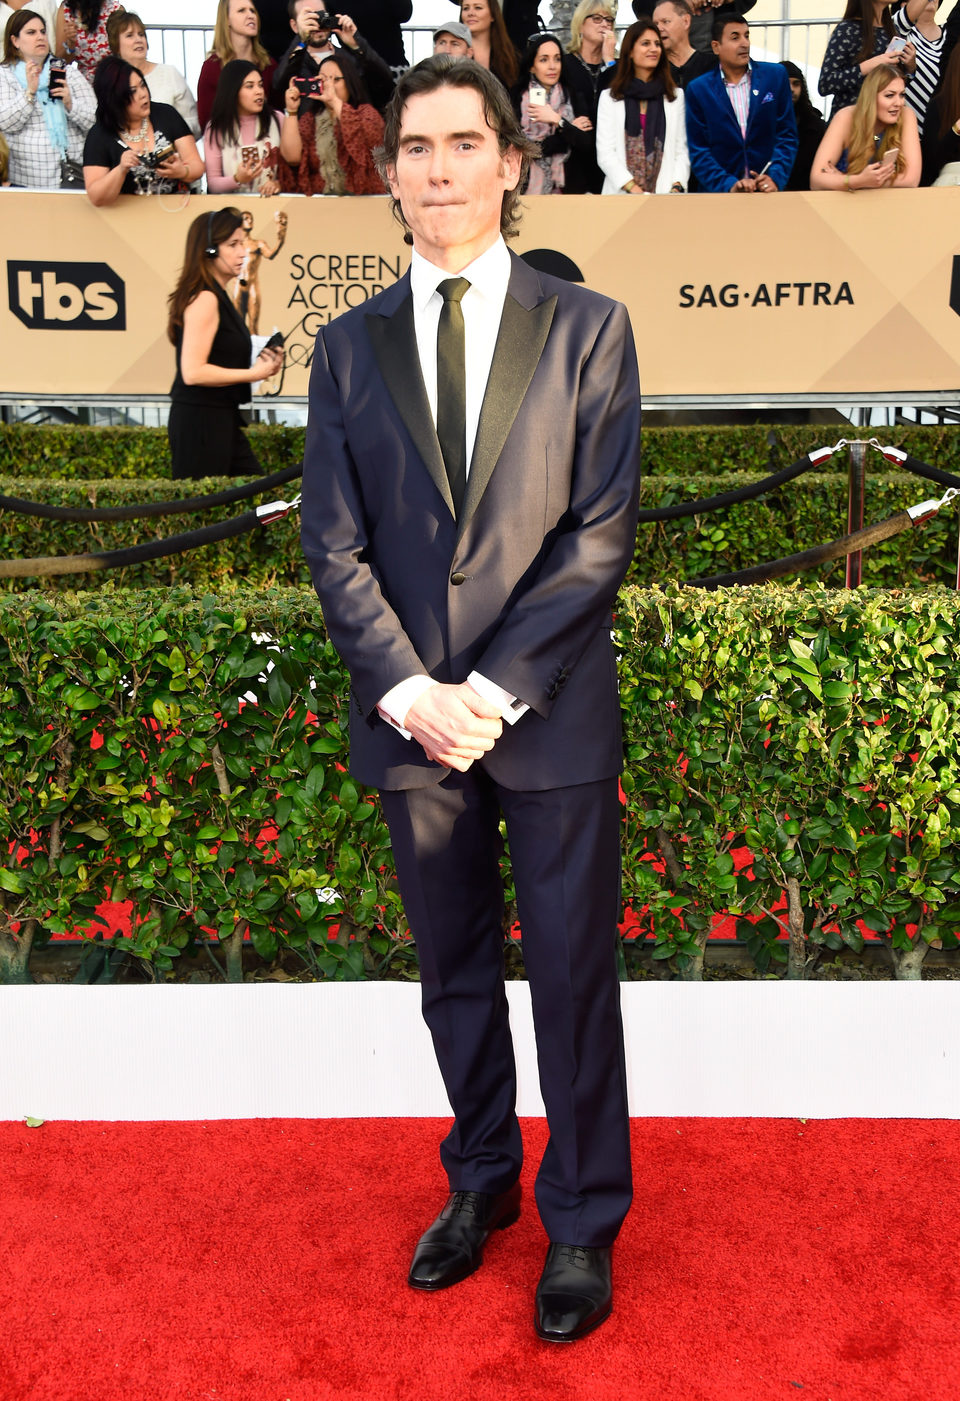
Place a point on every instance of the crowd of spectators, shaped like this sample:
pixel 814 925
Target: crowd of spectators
pixel 291 98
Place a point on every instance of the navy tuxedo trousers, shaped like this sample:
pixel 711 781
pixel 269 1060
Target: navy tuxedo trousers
pixel 564 845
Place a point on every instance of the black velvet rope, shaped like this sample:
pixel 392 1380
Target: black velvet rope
pixel 149 508
pixel 808 559
pixel 729 498
pixel 46 566
pixel 932 474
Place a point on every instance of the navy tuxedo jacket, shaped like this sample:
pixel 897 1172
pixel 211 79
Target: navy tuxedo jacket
pixel 720 154
pixel 520 587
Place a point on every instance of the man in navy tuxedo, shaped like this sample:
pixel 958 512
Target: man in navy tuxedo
pixel 470 494
pixel 741 128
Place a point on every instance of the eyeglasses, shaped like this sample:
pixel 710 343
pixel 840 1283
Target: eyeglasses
pixel 601 19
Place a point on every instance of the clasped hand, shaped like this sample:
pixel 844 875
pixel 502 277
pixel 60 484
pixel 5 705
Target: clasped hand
pixel 454 725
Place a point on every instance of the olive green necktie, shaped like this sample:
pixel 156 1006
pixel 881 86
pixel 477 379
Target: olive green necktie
pixel 452 388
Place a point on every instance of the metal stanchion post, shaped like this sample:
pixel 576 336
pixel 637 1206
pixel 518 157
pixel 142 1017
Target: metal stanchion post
pixel 858 473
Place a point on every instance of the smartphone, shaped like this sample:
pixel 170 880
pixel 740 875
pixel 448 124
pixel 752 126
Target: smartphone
pixel 58 79
pixel 275 342
pixel 896 46
pixel 890 157
pixel 538 95
pixel 249 155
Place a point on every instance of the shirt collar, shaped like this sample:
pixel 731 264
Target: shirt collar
pixel 741 81
pixel 488 275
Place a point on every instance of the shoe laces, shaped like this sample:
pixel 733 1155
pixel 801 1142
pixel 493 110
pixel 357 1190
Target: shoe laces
pixel 573 1254
pixel 465 1204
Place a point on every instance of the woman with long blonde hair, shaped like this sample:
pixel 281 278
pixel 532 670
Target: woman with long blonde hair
pixel 872 145
pixel 236 34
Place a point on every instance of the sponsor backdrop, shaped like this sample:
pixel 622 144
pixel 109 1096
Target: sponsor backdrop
pixel 802 294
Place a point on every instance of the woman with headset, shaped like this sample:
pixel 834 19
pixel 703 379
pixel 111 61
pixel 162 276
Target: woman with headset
pixel 213 345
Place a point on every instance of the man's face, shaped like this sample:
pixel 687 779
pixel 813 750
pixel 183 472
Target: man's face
pixel 305 24
pixel 450 44
pixel 450 177
pixel 733 48
pixel 672 26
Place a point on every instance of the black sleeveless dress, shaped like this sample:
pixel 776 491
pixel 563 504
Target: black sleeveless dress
pixel 205 428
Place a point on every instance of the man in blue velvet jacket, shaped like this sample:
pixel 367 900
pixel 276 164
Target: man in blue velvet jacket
pixel 741 128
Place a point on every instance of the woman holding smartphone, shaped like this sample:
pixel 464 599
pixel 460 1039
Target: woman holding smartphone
pixel 863 41
pixel 241 133
pixel 550 112
pixel 214 353
pixel 136 147
pixel 873 145
pixel 45 112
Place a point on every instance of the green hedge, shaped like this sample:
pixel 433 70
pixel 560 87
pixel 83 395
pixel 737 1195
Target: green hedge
pixel 804 513
pixel 816 731
pixel 265 556
pixel 97 453
pixel 187 752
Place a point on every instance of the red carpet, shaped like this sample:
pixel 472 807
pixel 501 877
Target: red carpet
pixel 265 1261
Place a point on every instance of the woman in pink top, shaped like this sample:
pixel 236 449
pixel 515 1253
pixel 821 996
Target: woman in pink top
pixel 236 34
pixel 82 32
pixel 241 132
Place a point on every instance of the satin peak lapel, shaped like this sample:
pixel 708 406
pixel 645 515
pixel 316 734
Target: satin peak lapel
pixel 394 342
pixel 522 336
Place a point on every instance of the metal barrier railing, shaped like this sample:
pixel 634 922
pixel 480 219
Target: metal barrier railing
pixel 801 40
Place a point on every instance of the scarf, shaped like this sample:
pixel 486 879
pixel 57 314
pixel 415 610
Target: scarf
pixel 334 180
pixel 645 140
pixel 53 114
pixel 546 172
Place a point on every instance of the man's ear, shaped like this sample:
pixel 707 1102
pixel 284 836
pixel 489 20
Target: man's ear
pixel 391 174
pixel 512 162
pixel 715 46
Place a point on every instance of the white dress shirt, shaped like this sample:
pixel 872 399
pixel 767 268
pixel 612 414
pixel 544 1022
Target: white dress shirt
pixel 482 307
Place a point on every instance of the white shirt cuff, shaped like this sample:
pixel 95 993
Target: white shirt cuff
pixel 510 708
pixel 394 705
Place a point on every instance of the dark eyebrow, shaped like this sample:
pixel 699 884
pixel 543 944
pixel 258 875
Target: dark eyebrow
pixel 414 140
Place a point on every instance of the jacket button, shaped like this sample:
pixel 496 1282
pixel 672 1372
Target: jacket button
pixel 458 578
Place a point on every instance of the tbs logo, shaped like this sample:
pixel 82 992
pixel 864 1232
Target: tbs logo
pixel 67 296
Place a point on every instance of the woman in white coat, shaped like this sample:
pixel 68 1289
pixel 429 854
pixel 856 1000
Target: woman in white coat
pixel 641 127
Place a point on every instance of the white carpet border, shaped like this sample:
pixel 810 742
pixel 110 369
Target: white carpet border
pixel 816 1050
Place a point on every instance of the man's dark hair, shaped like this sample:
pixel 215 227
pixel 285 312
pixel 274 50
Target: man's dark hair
pixel 681 7
pixel 443 70
pixel 111 85
pixel 721 22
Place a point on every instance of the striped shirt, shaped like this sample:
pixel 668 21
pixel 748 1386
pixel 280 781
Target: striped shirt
pixel 921 86
pixel 739 94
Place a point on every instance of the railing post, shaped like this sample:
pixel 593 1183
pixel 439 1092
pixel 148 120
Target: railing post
pixel 857 483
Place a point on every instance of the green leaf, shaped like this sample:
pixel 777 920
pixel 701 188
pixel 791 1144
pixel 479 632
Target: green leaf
pixel 12 881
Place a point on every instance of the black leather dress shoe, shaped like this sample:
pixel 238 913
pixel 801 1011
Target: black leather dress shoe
pixel 575 1293
pixel 453 1246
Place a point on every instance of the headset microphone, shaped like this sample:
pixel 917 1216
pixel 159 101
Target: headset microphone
pixel 211 249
